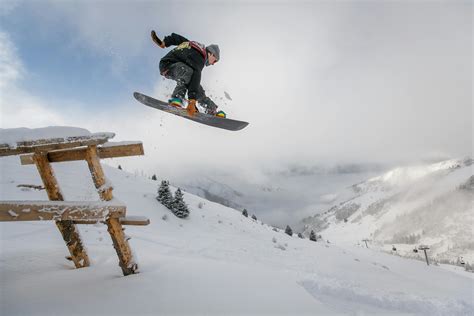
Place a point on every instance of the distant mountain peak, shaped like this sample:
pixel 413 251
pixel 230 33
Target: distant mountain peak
pixel 435 198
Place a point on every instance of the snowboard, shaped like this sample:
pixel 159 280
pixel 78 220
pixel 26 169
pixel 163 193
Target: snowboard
pixel 215 121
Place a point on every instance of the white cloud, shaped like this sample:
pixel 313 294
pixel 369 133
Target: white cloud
pixel 17 107
pixel 11 68
pixel 20 109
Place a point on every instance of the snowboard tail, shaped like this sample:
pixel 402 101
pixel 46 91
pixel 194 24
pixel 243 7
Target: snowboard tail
pixel 215 121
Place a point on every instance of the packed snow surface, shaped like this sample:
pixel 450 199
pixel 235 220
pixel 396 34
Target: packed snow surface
pixel 12 136
pixel 216 262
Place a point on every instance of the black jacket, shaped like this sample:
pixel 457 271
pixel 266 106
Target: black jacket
pixel 191 53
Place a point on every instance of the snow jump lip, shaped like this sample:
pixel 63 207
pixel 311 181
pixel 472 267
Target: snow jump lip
pixel 214 121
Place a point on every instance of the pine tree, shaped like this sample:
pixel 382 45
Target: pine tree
pixel 312 236
pixel 153 177
pixel 300 235
pixel 288 230
pixel 245 213
pixel 180 209
pixel 254 217
pixel 164 195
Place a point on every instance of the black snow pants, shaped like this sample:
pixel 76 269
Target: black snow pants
pixel 182 73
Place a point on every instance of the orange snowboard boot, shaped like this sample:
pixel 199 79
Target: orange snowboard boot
pixel 191 109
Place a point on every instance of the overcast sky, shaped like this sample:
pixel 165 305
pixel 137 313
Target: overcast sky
pixel 372 81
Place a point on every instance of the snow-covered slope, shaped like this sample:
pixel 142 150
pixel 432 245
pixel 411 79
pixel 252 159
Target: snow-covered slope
pixel 430 204
pixel 215 262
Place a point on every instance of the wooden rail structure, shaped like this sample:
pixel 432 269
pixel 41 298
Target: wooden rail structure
pixel 67 214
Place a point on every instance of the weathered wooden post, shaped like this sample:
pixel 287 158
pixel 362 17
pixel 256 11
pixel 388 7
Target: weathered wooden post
pixel 424 248
pixel 126 260
pixel 68 230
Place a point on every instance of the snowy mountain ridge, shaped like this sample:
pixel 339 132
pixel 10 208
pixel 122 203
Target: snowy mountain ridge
pixel 405 175
pixel 280 196
pixel 430 204
pixel 298 169
pixel 214 191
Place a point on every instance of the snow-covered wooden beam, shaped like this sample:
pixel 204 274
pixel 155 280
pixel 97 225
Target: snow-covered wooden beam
pixel 25 147
pixel 127 220
pixel 60 210
pixel 135 220
pixel 108 150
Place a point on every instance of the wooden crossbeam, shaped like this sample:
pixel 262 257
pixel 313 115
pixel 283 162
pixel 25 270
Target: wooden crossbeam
pixel 59 210
pixel 109 150
pixel 51 144
pixel 127 220
pixel 135 220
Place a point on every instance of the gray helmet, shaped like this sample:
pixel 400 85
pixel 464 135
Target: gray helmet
pixel 214 50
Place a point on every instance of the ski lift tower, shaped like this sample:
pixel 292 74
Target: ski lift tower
pixel 424 248
pixel 365 240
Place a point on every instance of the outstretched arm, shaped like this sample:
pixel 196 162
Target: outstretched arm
pixel 170 40
pixel 157 40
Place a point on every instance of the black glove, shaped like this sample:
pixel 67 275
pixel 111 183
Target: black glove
pixel 157 40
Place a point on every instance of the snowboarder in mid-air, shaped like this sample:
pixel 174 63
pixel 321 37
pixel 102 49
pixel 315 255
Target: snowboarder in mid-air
pixel 184 65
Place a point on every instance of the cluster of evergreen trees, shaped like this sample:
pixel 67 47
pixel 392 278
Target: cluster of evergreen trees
pixel 176 204
pixel 288 230
pixel 312 235
pixel 246 214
